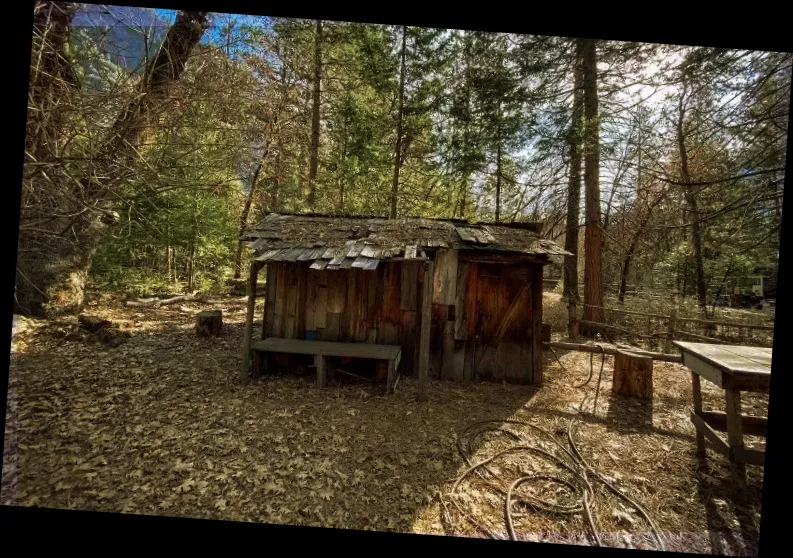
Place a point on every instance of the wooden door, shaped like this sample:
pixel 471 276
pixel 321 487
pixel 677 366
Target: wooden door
pixel 503 323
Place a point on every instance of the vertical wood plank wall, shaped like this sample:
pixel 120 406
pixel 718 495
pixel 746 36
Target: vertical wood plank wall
pixel 470 339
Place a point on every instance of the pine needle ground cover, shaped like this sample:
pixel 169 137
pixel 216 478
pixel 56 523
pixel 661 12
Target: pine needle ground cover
pixel 159 425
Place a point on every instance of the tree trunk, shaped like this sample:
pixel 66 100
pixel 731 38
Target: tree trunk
pixel 400 107
pixel 633 375
pixel 315 106
pixel 463 196
pixel 275 192
pixel 244 218
pixel 574 184
pixel 190 270
pixel 167 66
pixel 498 181
pixel 626 266
pixel 593 242
pixel 635 243
pixel 52 79
pixel 53 264
pixel 169 255
pixel 191 255
pixel 690 194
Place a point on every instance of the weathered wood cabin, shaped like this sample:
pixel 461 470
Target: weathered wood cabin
pixel 363 280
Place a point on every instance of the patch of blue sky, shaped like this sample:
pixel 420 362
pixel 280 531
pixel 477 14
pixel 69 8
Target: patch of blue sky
pixel 167 15
pixel 108 15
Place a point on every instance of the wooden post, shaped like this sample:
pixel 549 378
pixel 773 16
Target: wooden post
pixel 424 335
pixel 536 325
pixel 246 343
pixel 633 375
pixel 671 329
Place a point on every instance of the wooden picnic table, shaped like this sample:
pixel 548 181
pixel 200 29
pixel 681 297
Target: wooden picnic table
pixel 323 349
pixel 735 369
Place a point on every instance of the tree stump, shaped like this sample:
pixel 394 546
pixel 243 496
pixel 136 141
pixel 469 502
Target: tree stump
pixel 633 375
pixel 92 323
pixel 209 322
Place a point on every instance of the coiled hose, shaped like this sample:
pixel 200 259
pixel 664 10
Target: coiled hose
pixel 568 459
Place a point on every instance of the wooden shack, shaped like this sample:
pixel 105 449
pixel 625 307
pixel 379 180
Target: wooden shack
pixel 363 280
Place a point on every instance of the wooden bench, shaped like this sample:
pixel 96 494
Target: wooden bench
pixel 323 349
pixel 735 369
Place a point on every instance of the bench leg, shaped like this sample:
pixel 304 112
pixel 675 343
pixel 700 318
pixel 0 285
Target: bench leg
pixel 391 376
pixel 319 361
pixel 735 439
pixel 696 390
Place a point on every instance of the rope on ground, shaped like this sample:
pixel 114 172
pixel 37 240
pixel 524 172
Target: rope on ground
pixel 591 366
pixel 600 374
pixel 568 459
pixel 557 359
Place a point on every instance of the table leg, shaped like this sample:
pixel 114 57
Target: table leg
pixel 696 390
pixel 319 361
pixel 391 376
pixel 735 437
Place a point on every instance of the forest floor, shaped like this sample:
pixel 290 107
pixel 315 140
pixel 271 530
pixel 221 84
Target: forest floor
pixel 160 426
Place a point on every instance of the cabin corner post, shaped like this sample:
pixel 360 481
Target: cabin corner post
pixel 246 344
pixel 536 324
pixel 424 335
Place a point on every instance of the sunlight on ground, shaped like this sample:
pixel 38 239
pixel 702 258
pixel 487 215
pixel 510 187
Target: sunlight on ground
pixel 160 426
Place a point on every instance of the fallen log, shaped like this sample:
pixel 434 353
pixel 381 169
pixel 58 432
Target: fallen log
pixel 109 337
pixel 156 302
pixel 611 350
pixel 93 323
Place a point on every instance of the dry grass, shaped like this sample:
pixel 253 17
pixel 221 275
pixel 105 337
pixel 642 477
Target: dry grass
pixel 159 426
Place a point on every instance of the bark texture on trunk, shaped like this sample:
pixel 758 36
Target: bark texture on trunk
pixel 593 242
pixel 626 263
pixel 315 112
pixel 246 210
pixel 690 195
pixel 398 146
pixel 52 79
pixel 73 200
pixel 164 70
pixel 498 182
pixel 574 184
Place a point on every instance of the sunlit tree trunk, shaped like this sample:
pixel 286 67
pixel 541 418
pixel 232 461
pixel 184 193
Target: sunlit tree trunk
pixel 574 189
pixel 593 242
pixel 690 195
pixel 315 114
pixel 400 108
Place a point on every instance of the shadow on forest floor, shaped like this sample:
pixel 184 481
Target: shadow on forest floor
pixel 161 425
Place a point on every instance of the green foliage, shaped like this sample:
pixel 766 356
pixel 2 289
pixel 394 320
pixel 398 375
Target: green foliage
pixel 479 109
